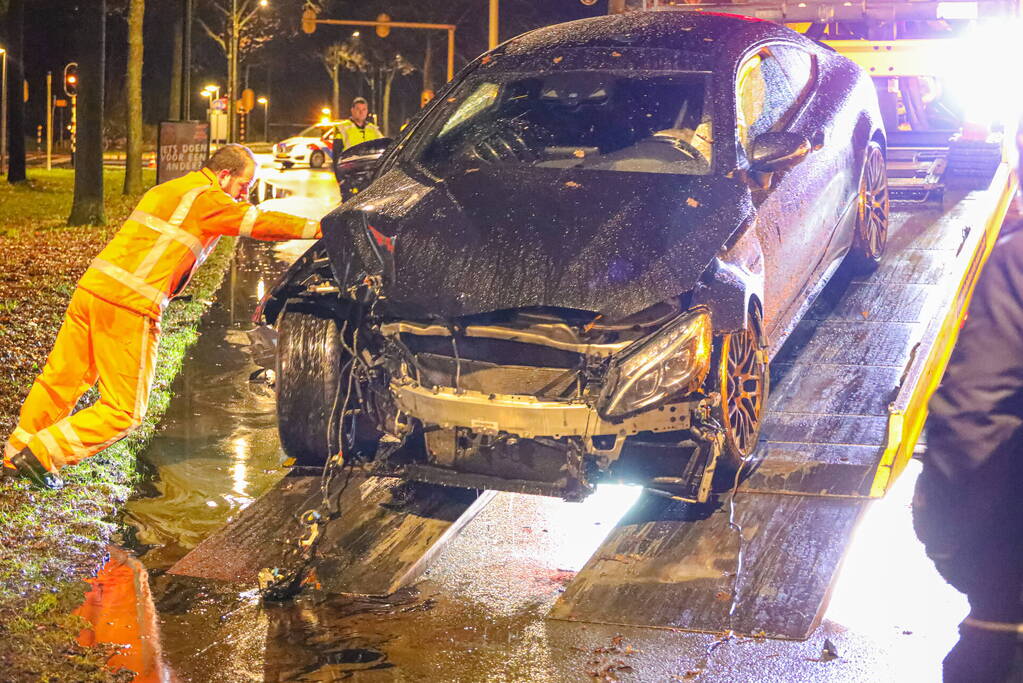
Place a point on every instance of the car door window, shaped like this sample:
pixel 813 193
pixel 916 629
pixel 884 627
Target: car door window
pixel 797 65
pixel 764 95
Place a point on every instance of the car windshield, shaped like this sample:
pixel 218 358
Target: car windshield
pixel 316 131
pixel 645 122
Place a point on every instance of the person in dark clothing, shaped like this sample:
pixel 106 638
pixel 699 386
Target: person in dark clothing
pixel 968 504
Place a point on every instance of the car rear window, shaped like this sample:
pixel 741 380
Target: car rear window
pixel 645 122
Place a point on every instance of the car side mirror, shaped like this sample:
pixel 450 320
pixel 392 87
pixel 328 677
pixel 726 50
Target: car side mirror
pixel 778 151
pixel 356 166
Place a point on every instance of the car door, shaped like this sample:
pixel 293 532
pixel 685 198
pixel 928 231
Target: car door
pixel 771 92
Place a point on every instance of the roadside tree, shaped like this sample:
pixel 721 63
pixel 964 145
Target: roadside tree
pixel 87 207
pixel 133 99
pixel 16 107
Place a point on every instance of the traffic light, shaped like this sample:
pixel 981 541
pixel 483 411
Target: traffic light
pixel 71 79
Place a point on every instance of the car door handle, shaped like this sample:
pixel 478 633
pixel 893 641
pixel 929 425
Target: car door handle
pixel 818 140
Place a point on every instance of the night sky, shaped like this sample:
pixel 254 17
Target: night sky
pixel 287 68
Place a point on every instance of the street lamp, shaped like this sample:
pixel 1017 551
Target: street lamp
pixel 266 117
pixel 3 110
pixel 211 88
pixel 355 34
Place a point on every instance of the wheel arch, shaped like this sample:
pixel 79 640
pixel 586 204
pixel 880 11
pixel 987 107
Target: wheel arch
pixel 732 285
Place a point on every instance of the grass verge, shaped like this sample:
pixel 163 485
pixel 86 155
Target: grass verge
pixel 51 541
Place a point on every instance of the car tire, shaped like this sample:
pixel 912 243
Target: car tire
pixel 310 356
pixel 872 206
pixel 316 159
pixel 742 377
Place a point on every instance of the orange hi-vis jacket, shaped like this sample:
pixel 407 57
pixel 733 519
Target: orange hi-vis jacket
pixel 112 326
pixel 174 228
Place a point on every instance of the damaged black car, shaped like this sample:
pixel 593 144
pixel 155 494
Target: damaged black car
pixel 577 263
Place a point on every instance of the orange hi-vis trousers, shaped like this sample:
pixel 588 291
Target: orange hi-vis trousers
pixel 97 341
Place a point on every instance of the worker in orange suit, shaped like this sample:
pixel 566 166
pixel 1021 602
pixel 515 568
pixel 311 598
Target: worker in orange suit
pixel 112 325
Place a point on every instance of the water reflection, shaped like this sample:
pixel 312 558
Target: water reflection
pixel 119 608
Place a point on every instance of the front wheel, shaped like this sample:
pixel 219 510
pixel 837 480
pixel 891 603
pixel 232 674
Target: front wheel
pixel 743 380
pixel 872 206
pixel 310 357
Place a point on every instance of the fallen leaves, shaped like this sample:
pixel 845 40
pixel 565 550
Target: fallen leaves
pixel 609 662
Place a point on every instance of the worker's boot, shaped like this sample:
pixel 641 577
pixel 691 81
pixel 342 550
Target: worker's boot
pixel 27 465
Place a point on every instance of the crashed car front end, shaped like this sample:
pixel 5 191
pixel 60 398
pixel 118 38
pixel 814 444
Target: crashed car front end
pixel 543 404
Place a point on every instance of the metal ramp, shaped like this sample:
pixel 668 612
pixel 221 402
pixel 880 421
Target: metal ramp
pixel 385 538
pixel 847 404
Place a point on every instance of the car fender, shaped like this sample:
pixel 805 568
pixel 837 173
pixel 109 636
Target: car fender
pixel 732 283
pixel 312 269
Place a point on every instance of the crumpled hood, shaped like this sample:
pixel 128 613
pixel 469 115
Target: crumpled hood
pixel 502 237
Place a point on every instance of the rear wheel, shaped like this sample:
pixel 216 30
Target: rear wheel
pixel 743 381
pixel 309 370
pixel 316 159
pixel 871 212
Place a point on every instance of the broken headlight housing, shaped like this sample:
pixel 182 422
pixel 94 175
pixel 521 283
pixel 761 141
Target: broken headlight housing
pixel 674 359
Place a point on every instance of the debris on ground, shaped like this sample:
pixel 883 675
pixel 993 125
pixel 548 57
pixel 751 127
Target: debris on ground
pixel 609 661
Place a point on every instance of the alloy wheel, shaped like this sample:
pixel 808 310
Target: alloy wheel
pixel 743 380
pixel 873 204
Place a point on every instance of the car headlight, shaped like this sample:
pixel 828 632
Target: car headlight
pixel 670 361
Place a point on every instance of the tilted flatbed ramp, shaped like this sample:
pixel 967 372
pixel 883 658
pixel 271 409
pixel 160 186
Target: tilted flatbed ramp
pixel 848 401
pixel 386 536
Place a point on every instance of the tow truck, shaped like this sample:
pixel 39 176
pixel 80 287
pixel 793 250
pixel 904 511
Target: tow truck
pixel 850 388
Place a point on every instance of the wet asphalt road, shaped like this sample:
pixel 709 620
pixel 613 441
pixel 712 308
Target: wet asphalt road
pixel 479 612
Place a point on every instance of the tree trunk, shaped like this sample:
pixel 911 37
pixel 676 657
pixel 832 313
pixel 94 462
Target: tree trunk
pixel 232 82
pixel 87 208
pixel 428 65
pixel 387 102
pixel 15 103
pixel 174 112
pixel 133 160
pixel 335 74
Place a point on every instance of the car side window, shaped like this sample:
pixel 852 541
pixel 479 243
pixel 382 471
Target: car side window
pixel 765 93
pixel 798 67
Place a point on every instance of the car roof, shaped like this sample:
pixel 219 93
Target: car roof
pixel 711 35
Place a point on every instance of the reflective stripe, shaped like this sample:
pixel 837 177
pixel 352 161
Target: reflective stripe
pixel 140 384
pixel 248 222
pixel 1002 626
pixel 56 456
pixel 186 238
pixel 309 231
pixel 22 436
pixel 78 449
pixel 156 253
pixel 133 282
pixel 185 205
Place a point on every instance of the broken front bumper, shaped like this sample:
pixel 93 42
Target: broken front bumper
pixel 529 417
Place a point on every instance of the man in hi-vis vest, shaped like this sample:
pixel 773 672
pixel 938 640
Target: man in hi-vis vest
pixel 112 325
pixel 357 129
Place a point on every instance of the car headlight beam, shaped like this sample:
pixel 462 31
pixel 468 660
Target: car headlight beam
pixel 673 360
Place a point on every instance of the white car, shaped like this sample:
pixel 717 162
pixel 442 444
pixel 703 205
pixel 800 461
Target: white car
pixel 312 146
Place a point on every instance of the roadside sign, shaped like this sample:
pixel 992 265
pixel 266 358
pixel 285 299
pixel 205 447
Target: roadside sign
pixel 219 105
pixel 182 147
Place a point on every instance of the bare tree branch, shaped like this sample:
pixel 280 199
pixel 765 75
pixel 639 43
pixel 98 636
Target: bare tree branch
pixel 216 37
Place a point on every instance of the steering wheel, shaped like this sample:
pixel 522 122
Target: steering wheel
pixel 677 143
pixel 507 144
